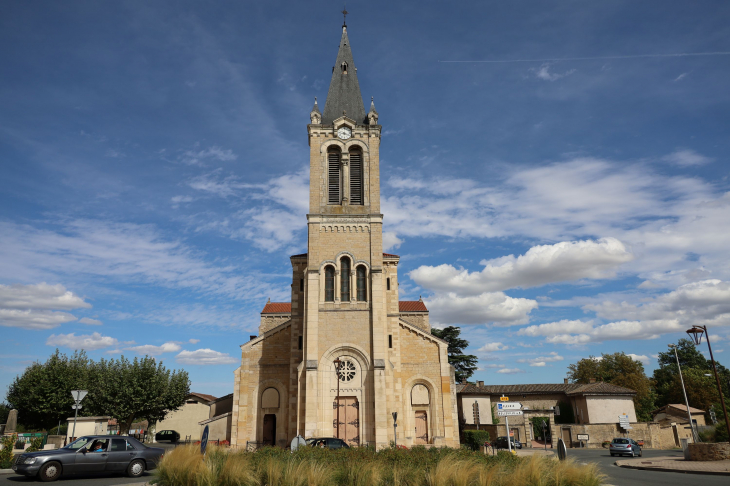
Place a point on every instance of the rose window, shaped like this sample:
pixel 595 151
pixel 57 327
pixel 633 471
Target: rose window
pixel 347 370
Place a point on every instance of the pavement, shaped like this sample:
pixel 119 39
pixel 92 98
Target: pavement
pixel 677 464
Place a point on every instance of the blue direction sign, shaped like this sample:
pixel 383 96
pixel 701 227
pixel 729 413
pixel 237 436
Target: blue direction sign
pixel 204 440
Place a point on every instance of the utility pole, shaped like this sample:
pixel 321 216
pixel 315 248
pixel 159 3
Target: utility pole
pixel 695 436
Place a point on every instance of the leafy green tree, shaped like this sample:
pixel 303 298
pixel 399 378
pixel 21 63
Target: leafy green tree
pixel 138 389
pixel 621 370
pixel 4 412
pixel 42 394
pixel 465 364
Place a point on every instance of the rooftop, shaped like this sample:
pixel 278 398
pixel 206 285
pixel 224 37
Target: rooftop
pixel 679 407
pixel 599 388
pixel 204 396
pixel 277 308
pixel 412 306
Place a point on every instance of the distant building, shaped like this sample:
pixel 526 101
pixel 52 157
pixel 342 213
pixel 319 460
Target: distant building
pixel 186 420
pixel 219 419
pixel 572 403
pixel 677 413
pixel 87 426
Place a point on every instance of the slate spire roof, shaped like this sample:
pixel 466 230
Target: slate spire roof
pixel 344 95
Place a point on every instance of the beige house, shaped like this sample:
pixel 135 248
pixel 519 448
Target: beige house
pixel 592 403
pixel 677 413
pixel 86 426
pixel 186 420
pixel 219 419
pixel 345 353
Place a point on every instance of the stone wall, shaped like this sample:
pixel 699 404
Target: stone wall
pixel 653 435
pixel 709 452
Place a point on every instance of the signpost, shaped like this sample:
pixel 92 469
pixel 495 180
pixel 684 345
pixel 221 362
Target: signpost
pixel 297 442
pixel 204 440
pixel 509 406
pixel 582 438
pixel 77 395
pixel 504 399
pixel 395 429
pixel 508 413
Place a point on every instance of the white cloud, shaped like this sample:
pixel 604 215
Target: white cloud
pixel 554 328
pixel 687 158
pixel 204 357
pixel 510 371
pixel 168 347
pixel 543 72
pixel 193 341
pixel 34 306
pixel 201 157
pixel 182 199
pixel 90 321
pixel 88 342
pixel 489 307
pixel 391 241
pixel 561 262
pixel 680 77
pixel 493 365
pixel 490 347
pixel 542 360
pixel 644 359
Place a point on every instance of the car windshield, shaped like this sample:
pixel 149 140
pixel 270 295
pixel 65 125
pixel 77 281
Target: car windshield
pixel 620 441
pixel 78 443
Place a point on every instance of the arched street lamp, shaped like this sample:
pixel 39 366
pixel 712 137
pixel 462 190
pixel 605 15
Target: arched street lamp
pixel 338 363
pixel 696 332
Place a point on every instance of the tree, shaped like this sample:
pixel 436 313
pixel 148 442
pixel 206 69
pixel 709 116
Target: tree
pixel 138 389
pixel 42 394
pixel 465 364
pixel 4 412
pixel 620 370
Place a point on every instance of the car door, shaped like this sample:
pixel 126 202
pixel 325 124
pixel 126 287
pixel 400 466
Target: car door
pixel 121 454
pixel 92 458
pixel 334 443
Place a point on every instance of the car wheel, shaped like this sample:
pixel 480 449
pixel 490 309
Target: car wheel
pixel 632 453
pixel 50 471
pixel 135 469
pixel 613 455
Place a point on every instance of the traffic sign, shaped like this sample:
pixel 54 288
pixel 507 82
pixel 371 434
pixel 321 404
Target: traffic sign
pixel 78 395
pixel 508 413
pixel 509 406
pixel 583 437
pixel 504 399
pixel 298 442
pixel 204 440
pixel 76 407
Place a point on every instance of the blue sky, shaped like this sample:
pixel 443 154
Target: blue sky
pixel 154 173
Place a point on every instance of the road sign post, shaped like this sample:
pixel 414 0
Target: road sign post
pixel 77 395
pixel 204 440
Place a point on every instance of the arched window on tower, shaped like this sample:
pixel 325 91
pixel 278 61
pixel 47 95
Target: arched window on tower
pixel 345 279
pixel 344 67
pixel 362 284
pixel 329 284
pixel 334 176
pixel 356 178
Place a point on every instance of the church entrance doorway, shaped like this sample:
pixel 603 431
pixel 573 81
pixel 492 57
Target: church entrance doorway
pixel 421 427
pixel 269 429
pixel 348 427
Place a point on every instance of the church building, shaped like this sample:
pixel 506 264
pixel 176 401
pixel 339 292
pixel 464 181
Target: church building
pixel 345 354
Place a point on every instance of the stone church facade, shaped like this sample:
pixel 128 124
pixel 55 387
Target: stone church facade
pixel 345 353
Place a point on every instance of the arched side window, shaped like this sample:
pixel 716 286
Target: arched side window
pixel 356 178
pixel 345 279
pixel 362 284
pixel 344 67
pixel 329 284
pixel 334 176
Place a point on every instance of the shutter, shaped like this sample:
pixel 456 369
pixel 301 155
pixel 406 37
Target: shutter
pixel 334 177
pixel 356 178
pixel 345 280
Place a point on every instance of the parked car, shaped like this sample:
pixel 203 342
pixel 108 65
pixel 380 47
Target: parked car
pixel 167 436
pixel 327 443
pixel 621 446
pixel 91 454
pixel 501 443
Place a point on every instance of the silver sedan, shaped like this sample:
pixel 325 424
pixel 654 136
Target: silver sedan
pixel 90 454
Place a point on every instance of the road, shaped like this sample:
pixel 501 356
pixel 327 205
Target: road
pixel 115 480
pixel 620 476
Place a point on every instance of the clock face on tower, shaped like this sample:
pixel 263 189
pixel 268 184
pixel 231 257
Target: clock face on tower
pixel 344 133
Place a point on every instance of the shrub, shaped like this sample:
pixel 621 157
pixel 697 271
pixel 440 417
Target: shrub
pixel 35 444
pixel 721 431
pixel 6 454
pixel 605 444
pixel 474 439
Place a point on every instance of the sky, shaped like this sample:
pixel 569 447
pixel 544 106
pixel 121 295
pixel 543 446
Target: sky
pixel 554 175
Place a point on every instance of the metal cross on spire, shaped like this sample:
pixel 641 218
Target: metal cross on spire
pixel 344 15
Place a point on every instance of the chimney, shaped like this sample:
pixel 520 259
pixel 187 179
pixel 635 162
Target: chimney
pixel 592 380
pixel 565 380
pixel 480 384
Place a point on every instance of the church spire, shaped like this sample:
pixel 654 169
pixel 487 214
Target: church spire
pixel 344 95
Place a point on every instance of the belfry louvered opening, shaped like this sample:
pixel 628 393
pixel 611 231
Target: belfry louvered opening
pixel 334 177
pixel 356 178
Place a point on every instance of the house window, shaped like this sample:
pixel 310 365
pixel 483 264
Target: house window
pixel 329 284
pixel 345 280
pixel 301 341
pixel 362 284
pixel 334 177
pixel 387 283
pixel 390 340
pixel 356 178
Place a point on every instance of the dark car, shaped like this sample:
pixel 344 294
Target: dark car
pixel 91 454
pixel 327 443
pixel 501 443
pixel 167 436
pixel 624 446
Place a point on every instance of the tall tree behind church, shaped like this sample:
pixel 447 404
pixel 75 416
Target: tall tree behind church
pixel 465 364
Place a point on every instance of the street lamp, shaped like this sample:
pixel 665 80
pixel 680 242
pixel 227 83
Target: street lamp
pixel 338 362
pixel 395 430
pixel 696 333
pixel 695 436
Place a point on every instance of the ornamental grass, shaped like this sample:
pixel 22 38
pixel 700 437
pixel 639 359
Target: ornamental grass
pixel 185 466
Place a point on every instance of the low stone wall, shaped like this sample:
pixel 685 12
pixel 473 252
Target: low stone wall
pixel 709 452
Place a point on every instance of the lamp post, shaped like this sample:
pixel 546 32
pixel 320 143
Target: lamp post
pixel 695 436
pixel 696 333
pixel 395 429
pixel 338 362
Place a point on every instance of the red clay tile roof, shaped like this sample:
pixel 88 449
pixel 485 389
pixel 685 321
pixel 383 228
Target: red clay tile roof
pixel 204 396
pixel 277 308
pixel 600 388
pixel 412 306
pixel 390 255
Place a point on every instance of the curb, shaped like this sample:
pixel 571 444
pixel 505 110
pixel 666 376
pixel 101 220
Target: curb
pixel 666 469
pixel 7 471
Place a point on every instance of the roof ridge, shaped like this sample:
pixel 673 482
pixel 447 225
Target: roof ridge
pixel 343 96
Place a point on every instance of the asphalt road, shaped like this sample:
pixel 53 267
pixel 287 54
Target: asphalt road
pixel 621 476
pixel 116 480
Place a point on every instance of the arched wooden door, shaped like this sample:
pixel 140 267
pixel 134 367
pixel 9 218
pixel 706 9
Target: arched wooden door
pixel 269 429
pixel 421 427
pixel 348 427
